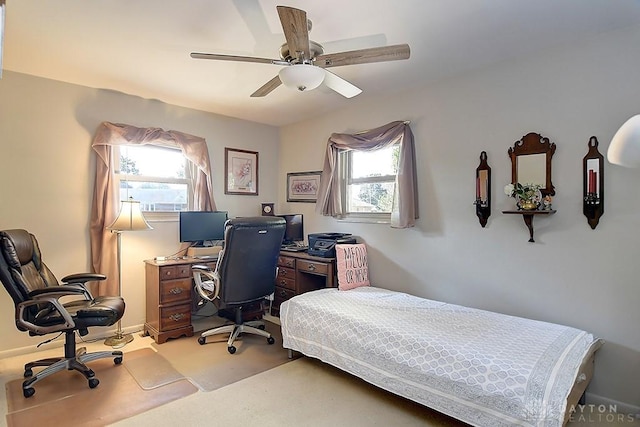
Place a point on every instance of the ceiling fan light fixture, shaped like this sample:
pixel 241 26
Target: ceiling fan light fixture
pixel 302 76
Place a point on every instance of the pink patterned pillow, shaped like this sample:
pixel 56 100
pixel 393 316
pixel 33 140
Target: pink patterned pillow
pixel 352 266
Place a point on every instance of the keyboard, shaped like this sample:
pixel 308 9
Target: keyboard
pixel 207 257
pixel 294 248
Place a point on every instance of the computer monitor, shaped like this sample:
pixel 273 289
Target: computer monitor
pixel 295 229
pixel 200 227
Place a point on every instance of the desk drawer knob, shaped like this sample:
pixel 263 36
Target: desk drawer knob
pixel 175 291
pixel 311 267
pixel 176 317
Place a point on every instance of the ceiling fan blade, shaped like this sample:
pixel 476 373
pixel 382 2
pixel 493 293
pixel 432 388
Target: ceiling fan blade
pixel 197 55
pixel 267 87
pixel 294 25
pixel 340 85
pixel 364 56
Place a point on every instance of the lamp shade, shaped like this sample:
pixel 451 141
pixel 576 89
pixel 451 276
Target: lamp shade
pixel 302 76
pixel 130 218
pixel 624 149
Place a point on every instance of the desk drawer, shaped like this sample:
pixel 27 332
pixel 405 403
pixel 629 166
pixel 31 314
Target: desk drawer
pixel 169 272
pixel 281 295
pixel 285 261
pixel 175 317
pixel 175 291
pixel 285 282
pixel 286 273
pixel 313 267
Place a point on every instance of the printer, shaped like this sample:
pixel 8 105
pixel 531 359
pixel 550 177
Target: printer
pixel 324 244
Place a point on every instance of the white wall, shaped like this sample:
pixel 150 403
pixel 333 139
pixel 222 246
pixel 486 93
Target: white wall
pixel 47 170
pixel 572 275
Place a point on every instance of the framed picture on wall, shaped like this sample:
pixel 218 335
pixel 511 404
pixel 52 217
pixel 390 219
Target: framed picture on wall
pixel 303 186
pixel 240 172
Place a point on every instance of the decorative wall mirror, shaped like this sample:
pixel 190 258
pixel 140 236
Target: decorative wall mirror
pixel 531 162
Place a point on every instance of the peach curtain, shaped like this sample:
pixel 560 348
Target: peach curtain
pixel 405 200
pixel 106 195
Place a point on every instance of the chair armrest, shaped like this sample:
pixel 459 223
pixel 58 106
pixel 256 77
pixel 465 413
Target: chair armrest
pixel 208 288
pixel 61 291
pixel 83 278
pixel 50 298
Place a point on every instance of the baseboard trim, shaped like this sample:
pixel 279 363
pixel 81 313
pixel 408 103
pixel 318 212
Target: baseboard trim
pixel 101 334
pixel 599 403
pixel 272 319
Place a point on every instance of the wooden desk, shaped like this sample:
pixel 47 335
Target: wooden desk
pixel 299 272
pixel 169 287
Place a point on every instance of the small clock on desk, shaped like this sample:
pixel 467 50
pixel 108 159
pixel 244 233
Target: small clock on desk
pixel 267 209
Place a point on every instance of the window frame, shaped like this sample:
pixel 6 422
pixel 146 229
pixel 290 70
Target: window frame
pixel 345 164
pixel 150 214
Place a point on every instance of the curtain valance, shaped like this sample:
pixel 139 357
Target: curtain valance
pixel 106 195
pixel 405 200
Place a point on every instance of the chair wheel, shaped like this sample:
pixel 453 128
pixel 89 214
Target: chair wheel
pixel 270 340
pixel 93 383
pixel 231 349
pixel 202 340
pixel 117 360
pixel 28 392
pixel 28 373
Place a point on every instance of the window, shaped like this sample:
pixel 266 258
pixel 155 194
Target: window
pixel 369 181
pixel 157 177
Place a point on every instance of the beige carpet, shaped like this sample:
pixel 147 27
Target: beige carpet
pixel 143 381
pixel 305 392
pixel 210 366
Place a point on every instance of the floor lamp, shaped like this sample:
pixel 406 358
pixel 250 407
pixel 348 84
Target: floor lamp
pixel 130 218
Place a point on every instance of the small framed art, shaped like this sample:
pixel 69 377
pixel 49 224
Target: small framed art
pixel 303 186
pixel 240 172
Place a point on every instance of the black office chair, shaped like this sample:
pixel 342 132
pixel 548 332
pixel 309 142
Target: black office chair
pixel 245 273
pixel 36 294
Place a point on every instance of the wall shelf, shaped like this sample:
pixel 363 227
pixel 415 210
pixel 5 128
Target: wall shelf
pixel 528 217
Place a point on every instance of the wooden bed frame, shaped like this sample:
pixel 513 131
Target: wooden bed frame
pixel 575 397
pixel 585 373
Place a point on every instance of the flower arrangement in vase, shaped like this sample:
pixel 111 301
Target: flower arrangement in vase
pixel 528 196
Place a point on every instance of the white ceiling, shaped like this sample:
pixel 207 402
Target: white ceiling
pixel 141 47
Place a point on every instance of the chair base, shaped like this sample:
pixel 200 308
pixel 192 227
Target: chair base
pixel 72 360
pixel 252 327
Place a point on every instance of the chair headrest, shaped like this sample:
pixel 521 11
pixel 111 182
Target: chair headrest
pixel 17 247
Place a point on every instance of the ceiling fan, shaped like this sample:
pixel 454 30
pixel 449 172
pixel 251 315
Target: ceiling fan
pixel 305 62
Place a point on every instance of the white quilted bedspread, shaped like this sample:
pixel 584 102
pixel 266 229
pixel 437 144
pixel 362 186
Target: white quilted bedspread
pixel 484 368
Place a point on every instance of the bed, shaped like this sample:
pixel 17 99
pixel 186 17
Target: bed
pixel 483 368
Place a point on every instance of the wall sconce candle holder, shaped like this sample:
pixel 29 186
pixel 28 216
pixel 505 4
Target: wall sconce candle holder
pixel 483 190
pixel 593 183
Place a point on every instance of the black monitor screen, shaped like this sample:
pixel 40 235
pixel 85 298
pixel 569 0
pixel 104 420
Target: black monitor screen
pixel 295 230
pixel 199 226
